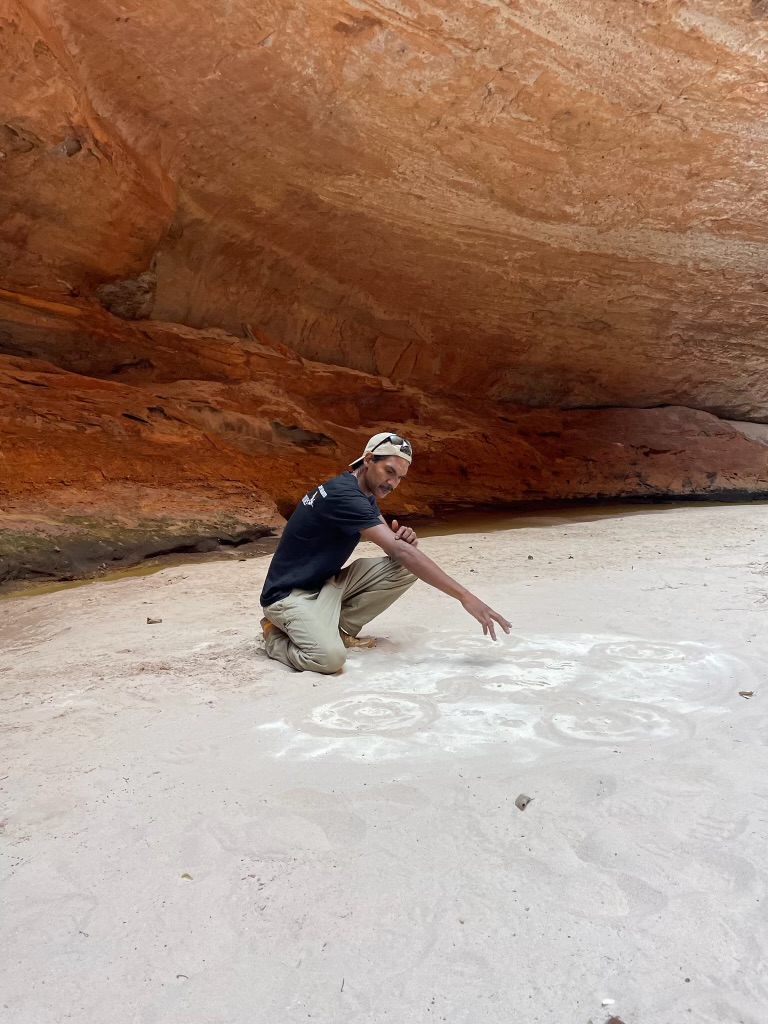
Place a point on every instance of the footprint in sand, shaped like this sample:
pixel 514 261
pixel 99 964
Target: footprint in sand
pixel 333 815
pixel 372 713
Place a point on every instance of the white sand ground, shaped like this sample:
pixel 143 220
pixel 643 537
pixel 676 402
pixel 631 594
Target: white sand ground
pixel 195 835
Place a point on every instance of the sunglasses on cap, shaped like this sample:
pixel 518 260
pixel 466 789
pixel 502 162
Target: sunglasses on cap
pixel 399 442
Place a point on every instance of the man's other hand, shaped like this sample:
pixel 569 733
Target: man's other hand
pixel 404 533
pixel 485 615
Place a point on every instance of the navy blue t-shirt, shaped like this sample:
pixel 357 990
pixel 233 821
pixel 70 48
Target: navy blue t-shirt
pixel 319 537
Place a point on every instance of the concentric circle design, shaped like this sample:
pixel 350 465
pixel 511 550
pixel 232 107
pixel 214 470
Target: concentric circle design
pixel 620 722
pixel 650 651
pixel 371 714
pixel 655 672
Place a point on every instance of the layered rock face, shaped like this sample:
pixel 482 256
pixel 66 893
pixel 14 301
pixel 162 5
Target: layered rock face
pixel 237 238
pixel 151 437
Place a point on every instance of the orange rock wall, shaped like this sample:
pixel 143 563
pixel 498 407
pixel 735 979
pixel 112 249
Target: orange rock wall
pixel 154 403
pixel 557 202
pixel 533 235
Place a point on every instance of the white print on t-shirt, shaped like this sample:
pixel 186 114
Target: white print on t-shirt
pixel 311 501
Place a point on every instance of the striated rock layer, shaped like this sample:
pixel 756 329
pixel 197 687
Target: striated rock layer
pixel 557 202
pixel 533 235
pixel 156 437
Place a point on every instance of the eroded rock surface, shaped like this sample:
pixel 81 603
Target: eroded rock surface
pixel 462 219
pixel 557 203
pixel 178 433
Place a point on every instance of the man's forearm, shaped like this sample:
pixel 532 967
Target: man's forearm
pixel 421 565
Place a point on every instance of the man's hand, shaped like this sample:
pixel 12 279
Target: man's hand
pixel 404 533
pixel 485 615
pixel 415 561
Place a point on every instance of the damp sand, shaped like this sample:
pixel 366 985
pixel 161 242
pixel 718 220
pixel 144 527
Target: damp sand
pixel 192 834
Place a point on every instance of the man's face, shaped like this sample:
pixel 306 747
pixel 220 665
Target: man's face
pixel 381 478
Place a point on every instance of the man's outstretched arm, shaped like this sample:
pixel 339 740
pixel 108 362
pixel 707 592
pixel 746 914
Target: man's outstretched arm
pixel 408 555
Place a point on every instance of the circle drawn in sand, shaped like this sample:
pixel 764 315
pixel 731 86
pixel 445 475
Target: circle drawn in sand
pixel 650 651
pixel 371 713
pixel 532 670
pixel 622 722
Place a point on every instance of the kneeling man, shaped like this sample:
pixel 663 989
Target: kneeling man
pixel 314 609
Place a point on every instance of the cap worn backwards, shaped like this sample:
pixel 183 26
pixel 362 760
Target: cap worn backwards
pixel 386 443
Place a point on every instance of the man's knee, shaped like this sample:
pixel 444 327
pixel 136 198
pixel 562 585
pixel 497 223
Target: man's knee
pixel 399 574
pixel 326 661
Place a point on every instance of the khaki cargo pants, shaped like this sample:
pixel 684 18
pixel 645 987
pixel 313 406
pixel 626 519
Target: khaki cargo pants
pixel 308 621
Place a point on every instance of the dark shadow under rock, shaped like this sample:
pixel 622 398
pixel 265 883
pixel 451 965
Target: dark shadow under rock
pixel 131 298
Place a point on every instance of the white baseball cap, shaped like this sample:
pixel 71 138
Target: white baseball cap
pixel 388 443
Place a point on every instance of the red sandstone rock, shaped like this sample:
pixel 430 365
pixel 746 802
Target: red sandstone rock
pixel 467 221
pixel 557 204
pixel 136 443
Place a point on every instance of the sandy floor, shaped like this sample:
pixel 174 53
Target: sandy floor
pixel 194 835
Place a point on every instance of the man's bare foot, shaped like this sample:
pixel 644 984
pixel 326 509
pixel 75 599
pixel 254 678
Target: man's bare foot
pixel 360 642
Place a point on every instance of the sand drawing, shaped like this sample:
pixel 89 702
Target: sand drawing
pixel 650 651
pixel 623 724
pixel 455 692
pixel 373 713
